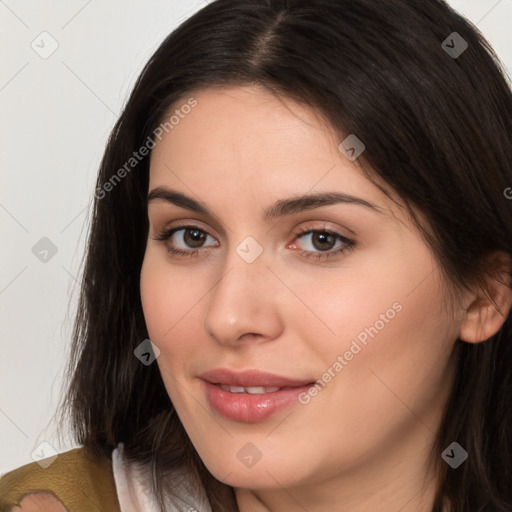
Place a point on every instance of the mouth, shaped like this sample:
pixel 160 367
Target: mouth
pixel 252 379
pixel 251 390
pixel 251 396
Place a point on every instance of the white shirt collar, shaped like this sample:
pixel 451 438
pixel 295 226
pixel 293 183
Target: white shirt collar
pixel 134 490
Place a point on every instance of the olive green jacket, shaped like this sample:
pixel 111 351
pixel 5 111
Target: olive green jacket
pixel 81 481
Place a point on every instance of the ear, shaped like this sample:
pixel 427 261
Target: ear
pixel 481 319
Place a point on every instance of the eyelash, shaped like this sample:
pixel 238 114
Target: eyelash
pixel 164 235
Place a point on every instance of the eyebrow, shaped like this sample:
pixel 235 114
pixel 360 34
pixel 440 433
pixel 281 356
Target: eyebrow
pixel 280 208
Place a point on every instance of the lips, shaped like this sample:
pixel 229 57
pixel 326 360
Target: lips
pixel 250 396
pixel 251 378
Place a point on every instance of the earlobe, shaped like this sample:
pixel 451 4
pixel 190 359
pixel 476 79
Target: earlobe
pixel 486 313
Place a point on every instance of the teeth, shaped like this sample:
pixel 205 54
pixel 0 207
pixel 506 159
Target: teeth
pixel 236 389
pixel 258 390
pixel 252 390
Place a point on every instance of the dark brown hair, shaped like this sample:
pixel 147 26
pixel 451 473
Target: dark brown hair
pixel 437 130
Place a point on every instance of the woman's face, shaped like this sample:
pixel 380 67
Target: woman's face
pixel 339 292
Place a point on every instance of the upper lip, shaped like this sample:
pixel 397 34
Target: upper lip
pixel 250 378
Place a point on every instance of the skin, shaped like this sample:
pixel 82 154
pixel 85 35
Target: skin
pixel 362 443
pixel 40 502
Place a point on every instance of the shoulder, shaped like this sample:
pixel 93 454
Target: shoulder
pixel 75 480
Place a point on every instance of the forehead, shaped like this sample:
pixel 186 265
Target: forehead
pixel 244 121
pixel 245 144
pixel 243 129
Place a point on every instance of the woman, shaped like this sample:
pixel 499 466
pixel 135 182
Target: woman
pixel 297 288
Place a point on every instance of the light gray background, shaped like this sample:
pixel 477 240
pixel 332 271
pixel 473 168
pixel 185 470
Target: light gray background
pixel 56 114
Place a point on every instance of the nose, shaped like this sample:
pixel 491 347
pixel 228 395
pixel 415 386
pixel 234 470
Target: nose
pixel 244 303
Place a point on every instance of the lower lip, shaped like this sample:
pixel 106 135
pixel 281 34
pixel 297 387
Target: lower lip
pixel 251 408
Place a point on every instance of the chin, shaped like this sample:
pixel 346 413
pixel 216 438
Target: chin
pixel 262 475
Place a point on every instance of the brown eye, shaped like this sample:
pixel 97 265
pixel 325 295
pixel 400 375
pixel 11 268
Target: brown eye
pixel 193 238
pixel 321 244
pixel 323 241
pixel 189 243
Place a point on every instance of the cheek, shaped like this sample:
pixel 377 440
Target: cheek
pixel 392 336
pixel 395 371
pixel 164 300
pixel 172 301
pixel 360 302
pixel 155 292
pixel 169 319
pixel 167 294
